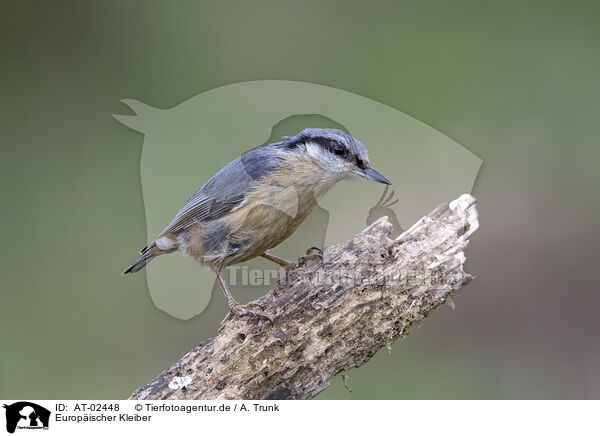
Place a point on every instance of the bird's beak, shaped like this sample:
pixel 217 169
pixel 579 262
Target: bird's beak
pixel 372 174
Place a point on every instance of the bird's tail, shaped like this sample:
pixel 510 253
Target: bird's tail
pixel 148 253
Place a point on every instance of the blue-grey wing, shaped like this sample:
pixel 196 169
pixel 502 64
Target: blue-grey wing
pixel 227 189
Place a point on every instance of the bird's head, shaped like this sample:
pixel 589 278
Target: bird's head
pixel 337 154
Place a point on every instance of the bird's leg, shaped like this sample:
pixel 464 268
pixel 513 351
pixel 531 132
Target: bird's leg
pixel 237 309
pixel 288 265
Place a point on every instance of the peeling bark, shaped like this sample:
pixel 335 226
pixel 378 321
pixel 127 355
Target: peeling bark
pixel 330 317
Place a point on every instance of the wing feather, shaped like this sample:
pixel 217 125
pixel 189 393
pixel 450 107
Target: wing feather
pixel 226 190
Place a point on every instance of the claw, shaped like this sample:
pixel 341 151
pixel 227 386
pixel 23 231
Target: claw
pixel 266 318
pixel 312 250
pixel 315 251
pixel 301 262
pixel 236 309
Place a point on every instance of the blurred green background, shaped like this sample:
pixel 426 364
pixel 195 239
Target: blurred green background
pixel 515 82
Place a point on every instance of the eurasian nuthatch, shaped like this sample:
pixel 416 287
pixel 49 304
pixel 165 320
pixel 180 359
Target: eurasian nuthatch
pixel 258 200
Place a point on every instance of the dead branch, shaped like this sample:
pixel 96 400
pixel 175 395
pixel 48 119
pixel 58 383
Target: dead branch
pixel 330 317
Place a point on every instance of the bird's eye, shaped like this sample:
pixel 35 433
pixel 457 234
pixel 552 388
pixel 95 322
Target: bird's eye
pixel 340 150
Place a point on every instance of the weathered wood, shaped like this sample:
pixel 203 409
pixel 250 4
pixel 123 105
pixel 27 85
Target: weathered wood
pixel 330 317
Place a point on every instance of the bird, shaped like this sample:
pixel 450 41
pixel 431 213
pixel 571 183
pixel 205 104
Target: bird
pixel 257 201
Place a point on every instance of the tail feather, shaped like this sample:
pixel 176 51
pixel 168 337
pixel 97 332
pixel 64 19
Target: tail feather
pixel 148 253
pixel 139 263
pixel 163 245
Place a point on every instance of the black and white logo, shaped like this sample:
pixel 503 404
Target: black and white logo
pixel 26 415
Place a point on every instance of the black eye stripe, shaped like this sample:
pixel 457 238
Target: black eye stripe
pixel 332 146
pixel 328 144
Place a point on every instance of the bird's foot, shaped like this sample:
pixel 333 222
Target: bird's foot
pixel 255 310
pixel 313 254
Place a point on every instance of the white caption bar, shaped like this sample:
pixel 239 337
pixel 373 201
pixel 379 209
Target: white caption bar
pixel 21 417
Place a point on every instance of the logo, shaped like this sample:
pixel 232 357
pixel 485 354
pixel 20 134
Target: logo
pixel 26 415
